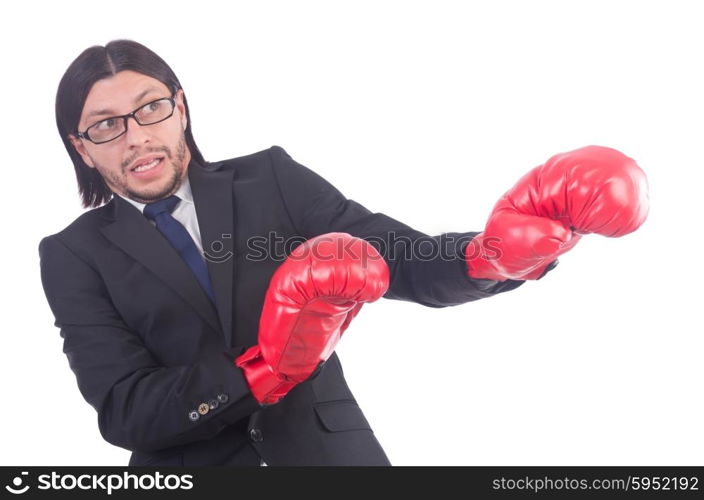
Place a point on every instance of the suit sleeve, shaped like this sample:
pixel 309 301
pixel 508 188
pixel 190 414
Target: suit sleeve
pixel 141 404
pixel 428 270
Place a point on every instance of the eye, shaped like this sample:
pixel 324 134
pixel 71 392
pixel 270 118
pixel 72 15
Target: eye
pixel 152 107
pixel 107 124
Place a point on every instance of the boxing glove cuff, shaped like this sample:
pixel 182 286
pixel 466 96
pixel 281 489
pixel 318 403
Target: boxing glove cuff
pixel 266 386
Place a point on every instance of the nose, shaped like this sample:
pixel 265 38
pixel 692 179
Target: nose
pixel 136 135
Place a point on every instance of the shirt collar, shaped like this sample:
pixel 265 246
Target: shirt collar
pixel 184 192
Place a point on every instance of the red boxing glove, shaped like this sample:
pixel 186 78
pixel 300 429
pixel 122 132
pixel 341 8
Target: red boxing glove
pixel 311 299
pixel 593 189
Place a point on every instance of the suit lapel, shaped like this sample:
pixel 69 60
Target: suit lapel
pixel 212 195
pixel 133 233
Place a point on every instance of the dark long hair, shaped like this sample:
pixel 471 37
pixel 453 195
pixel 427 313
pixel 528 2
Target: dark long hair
pixel 96 63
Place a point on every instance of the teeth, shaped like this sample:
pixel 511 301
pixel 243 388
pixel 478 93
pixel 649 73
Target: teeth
pixel 147 166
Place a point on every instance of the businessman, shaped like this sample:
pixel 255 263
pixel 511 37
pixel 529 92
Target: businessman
pixel 197 337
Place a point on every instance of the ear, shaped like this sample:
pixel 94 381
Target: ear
pixel 181 108
pixel 81 149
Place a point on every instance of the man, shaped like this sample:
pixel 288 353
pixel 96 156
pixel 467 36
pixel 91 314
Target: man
pixel 164 292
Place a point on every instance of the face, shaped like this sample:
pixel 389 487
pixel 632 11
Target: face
pixel 164 141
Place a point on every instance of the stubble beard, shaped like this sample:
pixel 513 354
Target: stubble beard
pixel 118 182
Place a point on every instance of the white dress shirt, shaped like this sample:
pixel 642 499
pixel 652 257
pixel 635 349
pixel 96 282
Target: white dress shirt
pixel 185 212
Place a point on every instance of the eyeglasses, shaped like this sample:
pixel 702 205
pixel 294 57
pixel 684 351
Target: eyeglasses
pixel 111 128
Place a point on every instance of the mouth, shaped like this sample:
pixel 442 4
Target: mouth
pixel 148 165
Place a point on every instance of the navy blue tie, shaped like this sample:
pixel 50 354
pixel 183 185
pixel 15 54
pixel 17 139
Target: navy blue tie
pixel 173 230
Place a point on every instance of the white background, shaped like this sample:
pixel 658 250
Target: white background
pixel 428 112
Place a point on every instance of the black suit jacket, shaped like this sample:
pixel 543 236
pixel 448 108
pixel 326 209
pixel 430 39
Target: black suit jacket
pixel 149 349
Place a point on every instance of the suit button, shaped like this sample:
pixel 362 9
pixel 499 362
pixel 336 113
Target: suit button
pixel 193 415
pixel 213 403
pixel 203 408
pixel 223 398
pixel 256 435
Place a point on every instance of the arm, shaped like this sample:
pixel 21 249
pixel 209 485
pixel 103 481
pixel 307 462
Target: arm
pixel 141 404
pixel 429 270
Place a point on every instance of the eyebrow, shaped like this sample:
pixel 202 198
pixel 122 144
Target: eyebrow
pixel 111 112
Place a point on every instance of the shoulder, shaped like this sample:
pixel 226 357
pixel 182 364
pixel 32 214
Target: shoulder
pixel 266 166
pixel 274 154
pixel 89 221
pixel 83 232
